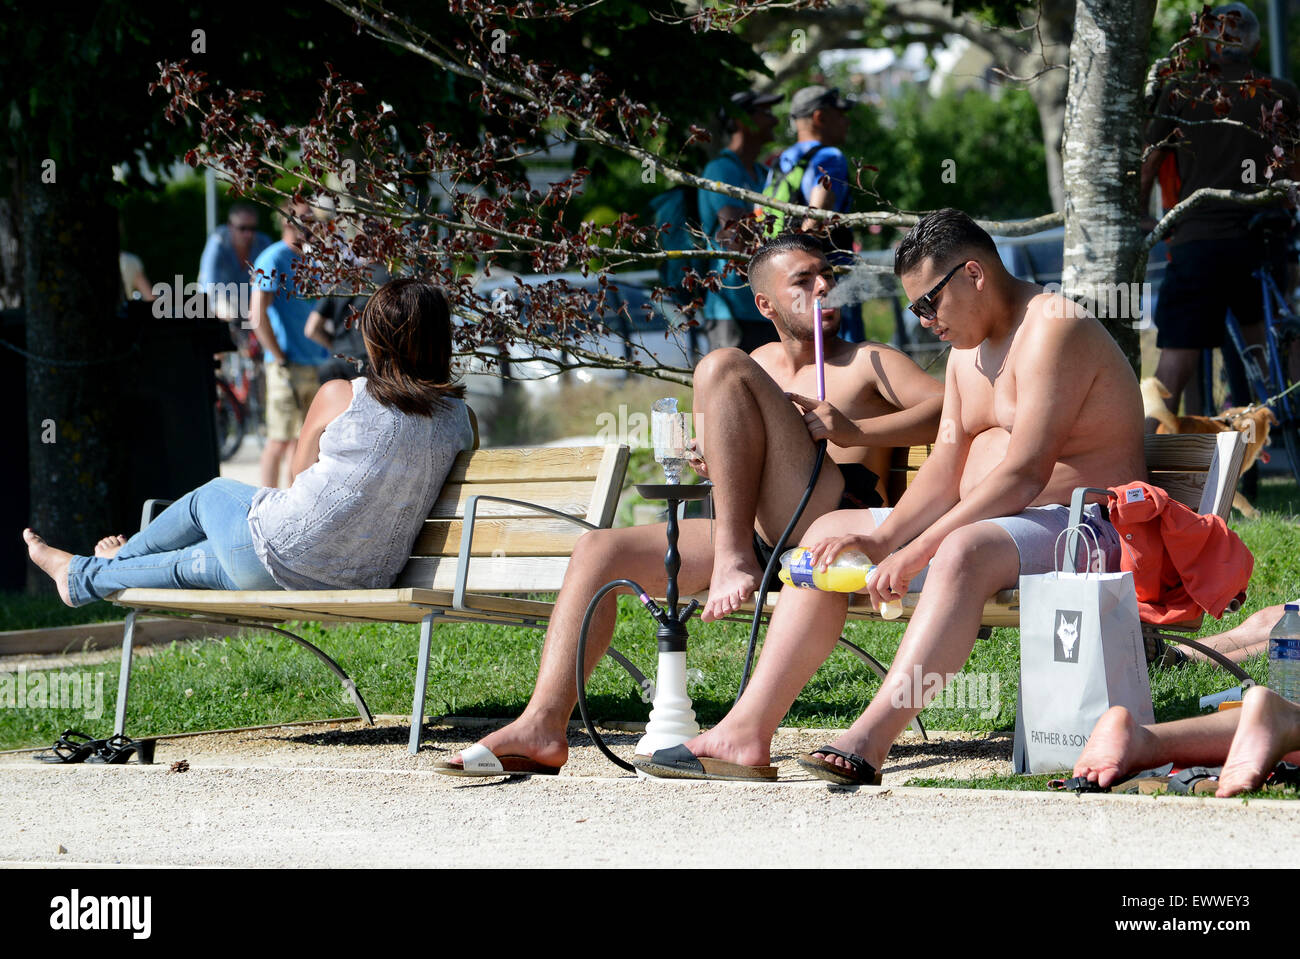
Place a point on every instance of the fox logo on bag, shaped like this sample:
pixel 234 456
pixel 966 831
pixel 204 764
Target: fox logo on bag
pixel 1066 635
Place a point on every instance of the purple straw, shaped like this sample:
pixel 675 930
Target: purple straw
pixel 818 349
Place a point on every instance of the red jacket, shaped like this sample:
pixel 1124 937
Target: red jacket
pixel 1182 562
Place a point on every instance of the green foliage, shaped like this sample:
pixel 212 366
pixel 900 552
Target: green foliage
pixel 19 611
pixel 991 149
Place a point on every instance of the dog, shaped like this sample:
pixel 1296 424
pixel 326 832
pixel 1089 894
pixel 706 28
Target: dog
pixel 1254 421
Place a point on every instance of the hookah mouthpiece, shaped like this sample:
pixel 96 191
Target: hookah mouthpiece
pixel 819 349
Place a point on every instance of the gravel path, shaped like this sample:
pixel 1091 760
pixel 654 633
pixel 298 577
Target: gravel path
pixel 344 794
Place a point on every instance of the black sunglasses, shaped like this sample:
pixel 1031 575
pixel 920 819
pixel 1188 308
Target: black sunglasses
pixel 924 306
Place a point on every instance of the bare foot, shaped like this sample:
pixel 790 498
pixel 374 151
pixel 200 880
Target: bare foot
pixel 718 743
pixel 53 562
pixel 1269 728
pixel 1113 749
pixel 107 547
pixel 734 581
pixel 525 738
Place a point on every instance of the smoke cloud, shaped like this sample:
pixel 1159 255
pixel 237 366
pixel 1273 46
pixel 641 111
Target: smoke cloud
pixel 863 281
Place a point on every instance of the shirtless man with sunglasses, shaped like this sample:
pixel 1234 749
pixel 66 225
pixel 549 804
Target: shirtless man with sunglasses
pixel 1038 399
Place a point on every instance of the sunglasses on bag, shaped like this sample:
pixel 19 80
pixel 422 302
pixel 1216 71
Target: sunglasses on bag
pixel 924 306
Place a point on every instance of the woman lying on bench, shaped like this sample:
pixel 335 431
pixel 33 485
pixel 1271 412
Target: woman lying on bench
pixel 371 459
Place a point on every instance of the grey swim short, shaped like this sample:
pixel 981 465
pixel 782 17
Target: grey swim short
pixel 1035 532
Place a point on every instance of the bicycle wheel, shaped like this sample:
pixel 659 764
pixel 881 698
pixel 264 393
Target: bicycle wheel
pixel 229 420
pixel 1287 408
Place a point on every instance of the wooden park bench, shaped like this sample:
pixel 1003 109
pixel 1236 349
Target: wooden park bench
pixel 505 522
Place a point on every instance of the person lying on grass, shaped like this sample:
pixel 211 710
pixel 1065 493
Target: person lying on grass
pixel 371 459
pixel 1247 742
pixel 757 423
pixel 1038 400
pixel 1244 641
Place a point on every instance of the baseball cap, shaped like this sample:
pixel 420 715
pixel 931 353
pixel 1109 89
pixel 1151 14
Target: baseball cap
pixel 810 99
pixel 747 100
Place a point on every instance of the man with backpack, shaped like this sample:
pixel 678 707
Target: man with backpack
pixel 814 172
pixel 730 316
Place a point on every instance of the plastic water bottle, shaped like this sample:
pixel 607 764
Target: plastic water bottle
pixel 847 573
pixel 1284 655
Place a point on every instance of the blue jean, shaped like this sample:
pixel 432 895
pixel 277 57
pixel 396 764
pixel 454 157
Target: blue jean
pixel 201 541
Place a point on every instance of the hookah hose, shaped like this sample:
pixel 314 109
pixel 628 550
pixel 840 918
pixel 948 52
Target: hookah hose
pixel 774 562
pixel 659 614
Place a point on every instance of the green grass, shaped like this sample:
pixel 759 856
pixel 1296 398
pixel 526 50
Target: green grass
pixel 19 611
pixel 1039 784
pixel 489 671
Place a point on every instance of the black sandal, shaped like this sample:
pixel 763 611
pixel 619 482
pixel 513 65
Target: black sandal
pixel 71 747
pixel 861 774
pixel 1284 775
pixel 1077 785
pixel 119 749
pixel 1195 781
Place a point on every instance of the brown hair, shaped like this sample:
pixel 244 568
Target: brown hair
pixel 407 328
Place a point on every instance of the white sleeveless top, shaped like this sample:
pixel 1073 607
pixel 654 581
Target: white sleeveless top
pixel 350 519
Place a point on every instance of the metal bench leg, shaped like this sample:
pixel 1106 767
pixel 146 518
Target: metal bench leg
pixel 348 685
pixel 881 671
pixel 421 682
pixel 124 675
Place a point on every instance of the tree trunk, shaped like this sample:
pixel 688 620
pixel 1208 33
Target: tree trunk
pixel 1102 152
pixel 1055 30
pixel 70 291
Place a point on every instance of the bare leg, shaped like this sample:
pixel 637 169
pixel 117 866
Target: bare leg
pixel 803 631
pixel 759 456
pixel 637 554
pixel 972 564
pixel 107 547
pixel 53 562
pixel 1269 729
pixel 1119 747
pixel 1175 368
pixel 274 454
pixel 1248 639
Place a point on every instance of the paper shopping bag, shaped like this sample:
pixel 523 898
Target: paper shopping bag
pixel 1081 653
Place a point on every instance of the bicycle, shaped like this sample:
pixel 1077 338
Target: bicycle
pixel 1268 365
pixel 238 404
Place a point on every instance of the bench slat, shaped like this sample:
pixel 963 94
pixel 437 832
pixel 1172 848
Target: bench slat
pixel 527 536
pixel 1186 487
pixel 518 465
pixel 570 497
pixel 1184 452
pixel 494 574
pixel 362 605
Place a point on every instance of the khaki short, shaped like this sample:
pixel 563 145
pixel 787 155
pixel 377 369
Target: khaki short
pixel 289 392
